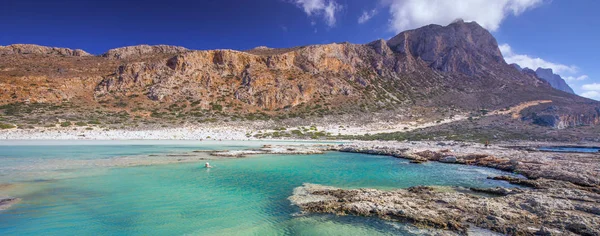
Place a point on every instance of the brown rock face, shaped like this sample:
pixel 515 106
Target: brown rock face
pixel 40 50
pixel 269 82
pixel 142 50
pixel 459 47
pixel 457 66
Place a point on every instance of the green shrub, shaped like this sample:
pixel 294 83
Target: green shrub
pixel 217 107
pixel 81 123
pixel 6 126
pixel 65 124
pixel 94 122
pixel 296 132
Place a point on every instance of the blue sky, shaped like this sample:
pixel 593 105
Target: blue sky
pixel 559 34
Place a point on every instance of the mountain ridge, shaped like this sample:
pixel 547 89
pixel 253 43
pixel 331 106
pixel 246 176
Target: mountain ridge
pixel 458 68
pixel 546 74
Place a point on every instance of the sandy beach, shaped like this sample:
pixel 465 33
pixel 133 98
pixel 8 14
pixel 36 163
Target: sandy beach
pixel 80 133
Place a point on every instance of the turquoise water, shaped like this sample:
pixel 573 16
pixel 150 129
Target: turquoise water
pixel 238 197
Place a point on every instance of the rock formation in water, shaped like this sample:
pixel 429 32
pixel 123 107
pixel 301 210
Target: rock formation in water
pixel 547 211
pixel 7 202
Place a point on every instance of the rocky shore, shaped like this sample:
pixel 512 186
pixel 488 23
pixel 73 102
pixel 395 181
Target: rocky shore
pixel 545 211
pixel 578 168
pixel 275 149
pixel 560 196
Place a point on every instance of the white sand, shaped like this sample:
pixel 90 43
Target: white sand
pixel 185 133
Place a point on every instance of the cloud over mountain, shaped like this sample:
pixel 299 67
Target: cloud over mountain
pixel 409 14
pixel 533 62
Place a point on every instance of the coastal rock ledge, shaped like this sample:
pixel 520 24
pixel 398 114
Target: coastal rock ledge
pixel 7 202
pixel 547 211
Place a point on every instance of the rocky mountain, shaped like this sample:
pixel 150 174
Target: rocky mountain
pixel 24 49
pixel 433 69
pixel 555 80
pixel 460 47
pixel 548 75
pixel 142 50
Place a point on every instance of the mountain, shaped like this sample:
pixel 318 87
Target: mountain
pixel 555 80
pixel 427 73
pixel 547 75
pixel 24 49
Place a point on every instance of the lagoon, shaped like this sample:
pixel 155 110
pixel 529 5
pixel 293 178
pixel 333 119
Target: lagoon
pixel 242 196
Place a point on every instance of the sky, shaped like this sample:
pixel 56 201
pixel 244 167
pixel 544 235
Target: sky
pixel 556 34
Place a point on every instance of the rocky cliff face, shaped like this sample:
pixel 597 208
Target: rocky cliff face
pixel 564 117
pixel 459 47
pixel 555 80
pixel 435 67
pixel 268 82
pixel 142 50
pixel 40 50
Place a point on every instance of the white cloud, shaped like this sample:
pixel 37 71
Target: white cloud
pixel 591 91
pixel 578 78
pixel 568 73
pixel 367 15
pixel 591 87
pixel 591 95
pixel 410 14
pixel 535 62
pixel 324 8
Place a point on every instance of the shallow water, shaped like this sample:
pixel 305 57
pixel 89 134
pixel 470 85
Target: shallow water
pixel 238 197
pixel 571 149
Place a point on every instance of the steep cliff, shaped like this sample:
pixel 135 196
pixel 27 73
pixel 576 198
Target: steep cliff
pixel 547 75
pixel 555 80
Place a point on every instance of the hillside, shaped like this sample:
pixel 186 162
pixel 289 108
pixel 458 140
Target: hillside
pixel 425 74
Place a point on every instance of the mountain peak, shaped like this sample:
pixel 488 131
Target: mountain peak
pixel 554 80
pixel 458 47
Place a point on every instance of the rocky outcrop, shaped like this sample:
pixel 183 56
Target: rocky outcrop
pixel 561 118
pixel 554 80
pixel 515 212
pixel 534 166
pixel 459 47
pixel 271 82
pixel 24 49
pixel 142 50
pixel 274 149
pixel 7 202
pixel 547 75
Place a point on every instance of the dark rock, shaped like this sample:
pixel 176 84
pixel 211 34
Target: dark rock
pixel 449 159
